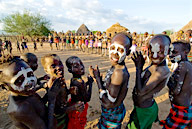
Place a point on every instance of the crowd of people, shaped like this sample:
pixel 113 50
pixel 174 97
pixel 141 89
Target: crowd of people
pixel 54 110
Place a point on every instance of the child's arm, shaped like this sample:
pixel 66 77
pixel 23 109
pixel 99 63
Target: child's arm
pixel 155 79
pixel 89 91
pixel 139 61
pixel 52 94
pixel 29 118
pixel 179 78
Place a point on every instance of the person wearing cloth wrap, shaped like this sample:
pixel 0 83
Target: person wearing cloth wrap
pixel 54 67
pixel 149 83
pixel 113 90
pixel 180 88
pixel 77 120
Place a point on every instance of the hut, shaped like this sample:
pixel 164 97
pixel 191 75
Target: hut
pixel 116 28
pixel 83 30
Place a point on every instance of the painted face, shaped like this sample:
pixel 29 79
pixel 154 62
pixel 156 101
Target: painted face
pixel 78 67
pixel 175 53
pixel 19 76
pixel 157 52
pixel 117 53
pixel 54 67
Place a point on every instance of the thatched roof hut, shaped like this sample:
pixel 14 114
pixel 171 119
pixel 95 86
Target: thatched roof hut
pixel 184 28
pixel 83 29
pixel 116 28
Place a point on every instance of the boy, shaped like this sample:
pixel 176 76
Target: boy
pixel 26 109
pixel 31 59
pixel 180 88
pixel 149 83
pixel 77 120
pixel 54 67
pixel 113 89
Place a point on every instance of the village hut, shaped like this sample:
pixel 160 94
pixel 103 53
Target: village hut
pixel 83 30
pixel 116 28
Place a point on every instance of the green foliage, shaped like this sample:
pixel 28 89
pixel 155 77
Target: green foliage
pixel 73 31
pixel 26 24
pixel 169 32
pixel 94 32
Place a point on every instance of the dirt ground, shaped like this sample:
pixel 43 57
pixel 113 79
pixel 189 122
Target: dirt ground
pixel 94 105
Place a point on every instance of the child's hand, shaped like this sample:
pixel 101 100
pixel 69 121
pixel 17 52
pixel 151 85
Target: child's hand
pixel 79 106
pixel 46 77
pixel 90 79
pixel 73 90
pixel 91 71
pixel 138 59
pixel 96 72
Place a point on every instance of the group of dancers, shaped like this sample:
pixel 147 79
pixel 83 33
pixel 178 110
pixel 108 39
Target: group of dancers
pixel 54 110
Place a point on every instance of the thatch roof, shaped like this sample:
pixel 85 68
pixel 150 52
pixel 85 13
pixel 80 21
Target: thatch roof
pixel 83 29
pixel 187 27
pixel 184 28
pixel 116 28
pixel 68 32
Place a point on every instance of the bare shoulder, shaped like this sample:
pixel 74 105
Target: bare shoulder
pixel 163 70
pixel 185 64
pixel 119 75
pixel 118 72
pixel 20 109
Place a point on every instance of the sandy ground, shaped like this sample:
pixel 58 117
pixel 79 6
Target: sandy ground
pixel 94 105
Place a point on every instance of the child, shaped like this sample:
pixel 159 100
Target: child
pixel 31 59
pixel 91 40
pixel 180 88
pixel 26 108
pixel 113 89
pixel 149 83
pixel 133 47
pixel 77 120
pixel 54 67
pixel 34 45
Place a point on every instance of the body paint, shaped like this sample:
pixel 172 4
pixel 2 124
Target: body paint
pixel 27 81
pixel 121 55
pixel 155 49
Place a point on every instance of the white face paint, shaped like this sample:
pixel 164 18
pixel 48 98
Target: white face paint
pixel 32 80
pixel 171 49
pixel 166 50
pixel 114 48
pixel 155 49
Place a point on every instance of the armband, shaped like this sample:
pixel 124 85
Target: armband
pixel 101 93
pixel 110 98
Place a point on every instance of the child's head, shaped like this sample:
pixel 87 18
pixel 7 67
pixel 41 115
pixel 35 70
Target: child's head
pixel 31 60
pixel 158 48
pixel 17 76
pixel 119 48
pixel 164 32
pixel 146 34
pixel 75 66
pixel 179 50
pixel 53 65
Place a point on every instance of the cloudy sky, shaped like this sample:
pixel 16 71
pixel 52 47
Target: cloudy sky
pixel 136 15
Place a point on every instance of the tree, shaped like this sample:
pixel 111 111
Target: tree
pixel 26 24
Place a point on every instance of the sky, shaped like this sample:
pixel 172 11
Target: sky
pixel 136 15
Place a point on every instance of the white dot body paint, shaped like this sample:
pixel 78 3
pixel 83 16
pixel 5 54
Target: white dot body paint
pixel 155 49
pixel 177 58
pixel 171 49
pixel 28 80
pixel 122 56
pixel 166 50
